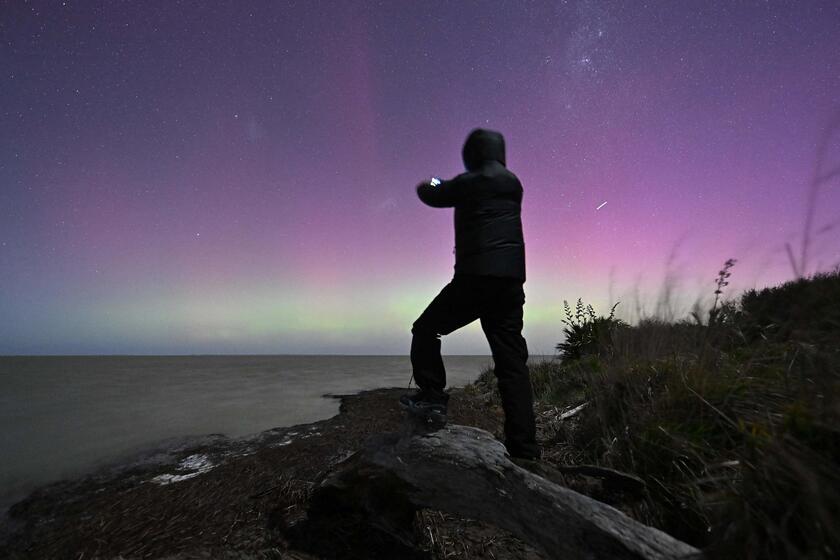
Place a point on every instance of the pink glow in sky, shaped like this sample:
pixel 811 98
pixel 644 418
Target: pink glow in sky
pixel 238 177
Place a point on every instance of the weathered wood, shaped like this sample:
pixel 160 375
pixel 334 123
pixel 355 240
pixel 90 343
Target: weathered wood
pixel 466 471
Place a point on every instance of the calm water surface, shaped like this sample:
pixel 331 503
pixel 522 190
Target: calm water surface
pixel 61 416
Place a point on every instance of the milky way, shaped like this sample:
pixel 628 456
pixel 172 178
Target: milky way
pixel 238 177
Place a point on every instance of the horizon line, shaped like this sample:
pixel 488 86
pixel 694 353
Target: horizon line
pixel 200 355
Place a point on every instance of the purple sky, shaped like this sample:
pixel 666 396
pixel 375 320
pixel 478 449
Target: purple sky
pixel 238 177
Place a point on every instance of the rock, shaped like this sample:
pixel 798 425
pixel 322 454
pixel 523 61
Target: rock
pixel 465 471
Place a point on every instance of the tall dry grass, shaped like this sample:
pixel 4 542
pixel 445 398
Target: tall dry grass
pixel 733 423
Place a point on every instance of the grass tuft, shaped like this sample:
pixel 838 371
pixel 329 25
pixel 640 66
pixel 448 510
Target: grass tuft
pixel 734 424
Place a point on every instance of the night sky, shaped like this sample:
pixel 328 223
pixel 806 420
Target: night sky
pixel 238 177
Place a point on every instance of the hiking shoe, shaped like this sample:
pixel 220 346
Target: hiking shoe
pixel 425 402
pixel 524 452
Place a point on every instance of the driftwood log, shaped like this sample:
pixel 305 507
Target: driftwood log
pixel 467 472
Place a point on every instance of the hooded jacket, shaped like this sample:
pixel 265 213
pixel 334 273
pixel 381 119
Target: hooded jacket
pixel 488 202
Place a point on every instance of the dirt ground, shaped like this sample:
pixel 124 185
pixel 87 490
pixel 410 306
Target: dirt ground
pixel 220 498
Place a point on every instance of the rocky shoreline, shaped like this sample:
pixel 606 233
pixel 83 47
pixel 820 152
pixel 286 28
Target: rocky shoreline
pixel 216 497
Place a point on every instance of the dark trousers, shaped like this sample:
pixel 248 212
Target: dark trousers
pixel 497 302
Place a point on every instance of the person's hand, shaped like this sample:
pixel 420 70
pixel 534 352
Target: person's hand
pixel 441 194
pixel 434 181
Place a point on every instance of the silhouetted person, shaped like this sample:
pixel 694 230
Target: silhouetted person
pixel 487 285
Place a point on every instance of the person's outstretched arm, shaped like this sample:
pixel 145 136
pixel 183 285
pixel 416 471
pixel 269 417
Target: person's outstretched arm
pixel 446 194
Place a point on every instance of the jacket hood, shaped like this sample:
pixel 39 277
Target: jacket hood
pixel 483 145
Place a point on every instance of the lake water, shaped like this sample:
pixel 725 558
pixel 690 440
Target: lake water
pixel 62 416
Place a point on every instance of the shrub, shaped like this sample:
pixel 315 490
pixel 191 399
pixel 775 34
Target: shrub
pixel 586 334
pixel 807 309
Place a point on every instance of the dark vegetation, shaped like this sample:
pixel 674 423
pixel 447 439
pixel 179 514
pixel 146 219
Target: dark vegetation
pixel 733 424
